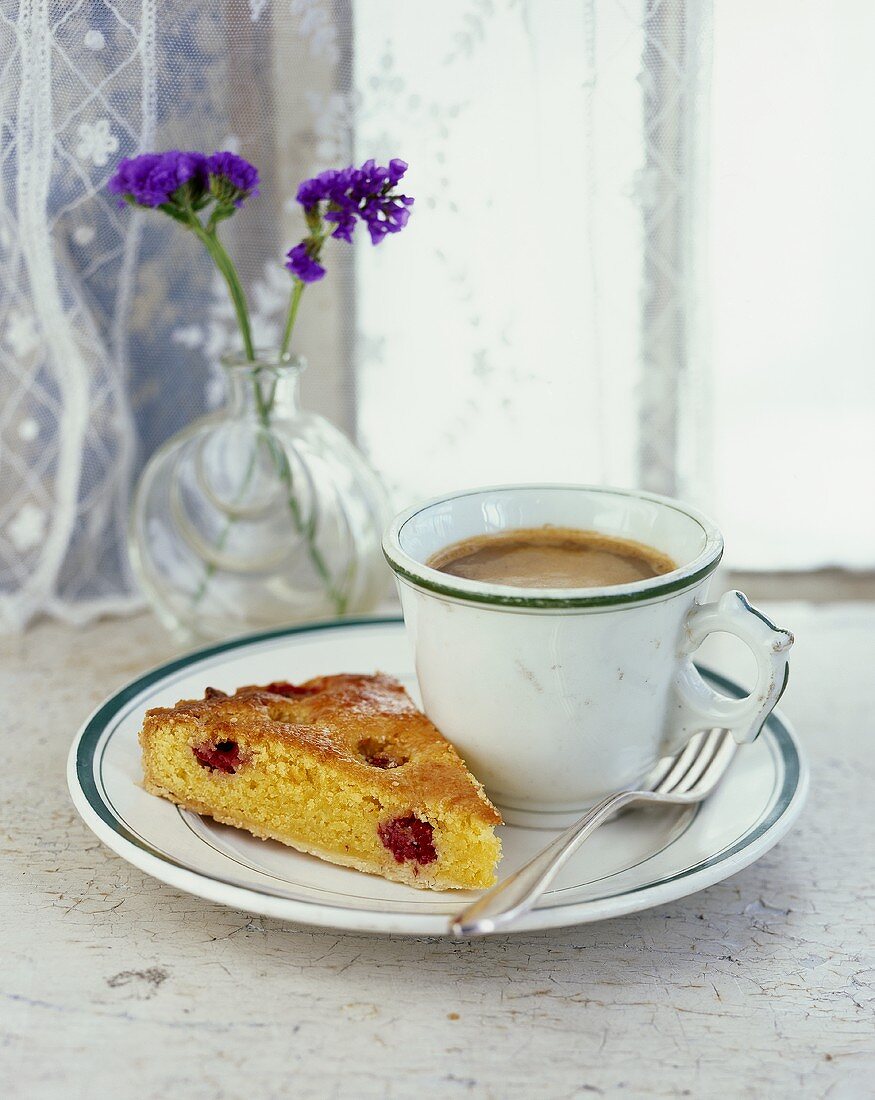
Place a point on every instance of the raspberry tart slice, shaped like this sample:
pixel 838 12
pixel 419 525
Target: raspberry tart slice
pixel 343 767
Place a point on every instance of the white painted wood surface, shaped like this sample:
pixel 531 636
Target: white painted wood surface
pixel 114 985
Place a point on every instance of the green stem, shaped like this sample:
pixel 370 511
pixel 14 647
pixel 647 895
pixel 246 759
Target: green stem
pixel 225 265
pixel 314 247
pixel 297 291
pixel 229 273
pixel 308 530
pixel 281 462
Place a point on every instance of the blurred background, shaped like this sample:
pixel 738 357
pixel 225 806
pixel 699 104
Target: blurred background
pixel 642 254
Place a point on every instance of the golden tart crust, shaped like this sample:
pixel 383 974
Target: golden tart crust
pixel 344 767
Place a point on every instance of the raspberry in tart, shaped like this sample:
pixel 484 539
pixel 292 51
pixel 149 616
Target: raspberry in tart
pixel 343 767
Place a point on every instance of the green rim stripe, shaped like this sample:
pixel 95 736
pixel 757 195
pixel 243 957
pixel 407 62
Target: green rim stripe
pixel 554 603
pixel 99 722
pixel 557 603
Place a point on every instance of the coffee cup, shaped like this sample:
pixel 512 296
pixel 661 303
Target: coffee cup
pixel 557 697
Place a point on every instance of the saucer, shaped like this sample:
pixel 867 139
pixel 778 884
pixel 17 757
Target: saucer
pixel 644 858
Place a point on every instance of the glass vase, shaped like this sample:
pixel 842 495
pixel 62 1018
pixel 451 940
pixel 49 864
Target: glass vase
pixel 259 515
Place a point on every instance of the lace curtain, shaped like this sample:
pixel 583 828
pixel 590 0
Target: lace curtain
pixel 535 321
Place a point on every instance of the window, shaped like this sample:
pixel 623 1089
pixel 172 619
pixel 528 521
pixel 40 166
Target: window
pixel 501 345
pixel 793 262
pixel 502 341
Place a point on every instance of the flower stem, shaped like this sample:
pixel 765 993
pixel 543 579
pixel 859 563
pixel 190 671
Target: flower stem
pixel 297 291
pixel 228 272
pixel 209 237
pixel 283 469
pixel 264 410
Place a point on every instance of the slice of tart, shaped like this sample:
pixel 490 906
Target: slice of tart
pixel 344 767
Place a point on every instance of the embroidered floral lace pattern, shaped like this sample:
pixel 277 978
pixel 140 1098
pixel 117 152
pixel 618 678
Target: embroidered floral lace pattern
pixel 496 345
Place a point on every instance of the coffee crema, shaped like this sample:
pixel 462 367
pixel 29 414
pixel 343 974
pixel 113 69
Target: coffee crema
pixel 551 557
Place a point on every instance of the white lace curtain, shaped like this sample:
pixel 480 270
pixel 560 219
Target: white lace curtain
pixel 536 320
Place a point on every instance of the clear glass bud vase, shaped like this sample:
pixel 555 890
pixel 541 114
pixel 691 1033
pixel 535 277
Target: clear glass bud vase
pixel 259 515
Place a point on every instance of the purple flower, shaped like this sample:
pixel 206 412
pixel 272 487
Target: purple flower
pixel 232 179
pixel 302 264
pixel 342 214
pixel 314 190
pixel 153 178
pixel 352 193
pixel 371 180
pixel 387 214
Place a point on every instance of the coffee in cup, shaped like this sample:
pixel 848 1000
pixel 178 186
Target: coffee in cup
pixel 551 557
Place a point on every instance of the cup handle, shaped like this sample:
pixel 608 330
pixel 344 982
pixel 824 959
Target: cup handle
pixel 699 707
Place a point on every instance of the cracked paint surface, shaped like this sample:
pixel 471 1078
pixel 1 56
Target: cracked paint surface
pixel 115 985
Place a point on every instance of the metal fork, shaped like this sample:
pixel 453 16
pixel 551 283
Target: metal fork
pixel 681 780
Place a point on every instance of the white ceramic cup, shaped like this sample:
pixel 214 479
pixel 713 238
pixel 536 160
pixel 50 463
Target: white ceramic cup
pixel 558 697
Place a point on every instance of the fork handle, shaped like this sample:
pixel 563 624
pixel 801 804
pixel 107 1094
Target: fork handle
pixel 517 893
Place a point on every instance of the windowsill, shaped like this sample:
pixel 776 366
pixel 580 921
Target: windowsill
pixel 815 586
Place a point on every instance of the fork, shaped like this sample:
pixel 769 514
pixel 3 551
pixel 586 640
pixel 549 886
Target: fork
pixel 682 780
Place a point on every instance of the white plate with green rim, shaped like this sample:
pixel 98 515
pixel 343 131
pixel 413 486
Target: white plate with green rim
pixel 643 858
